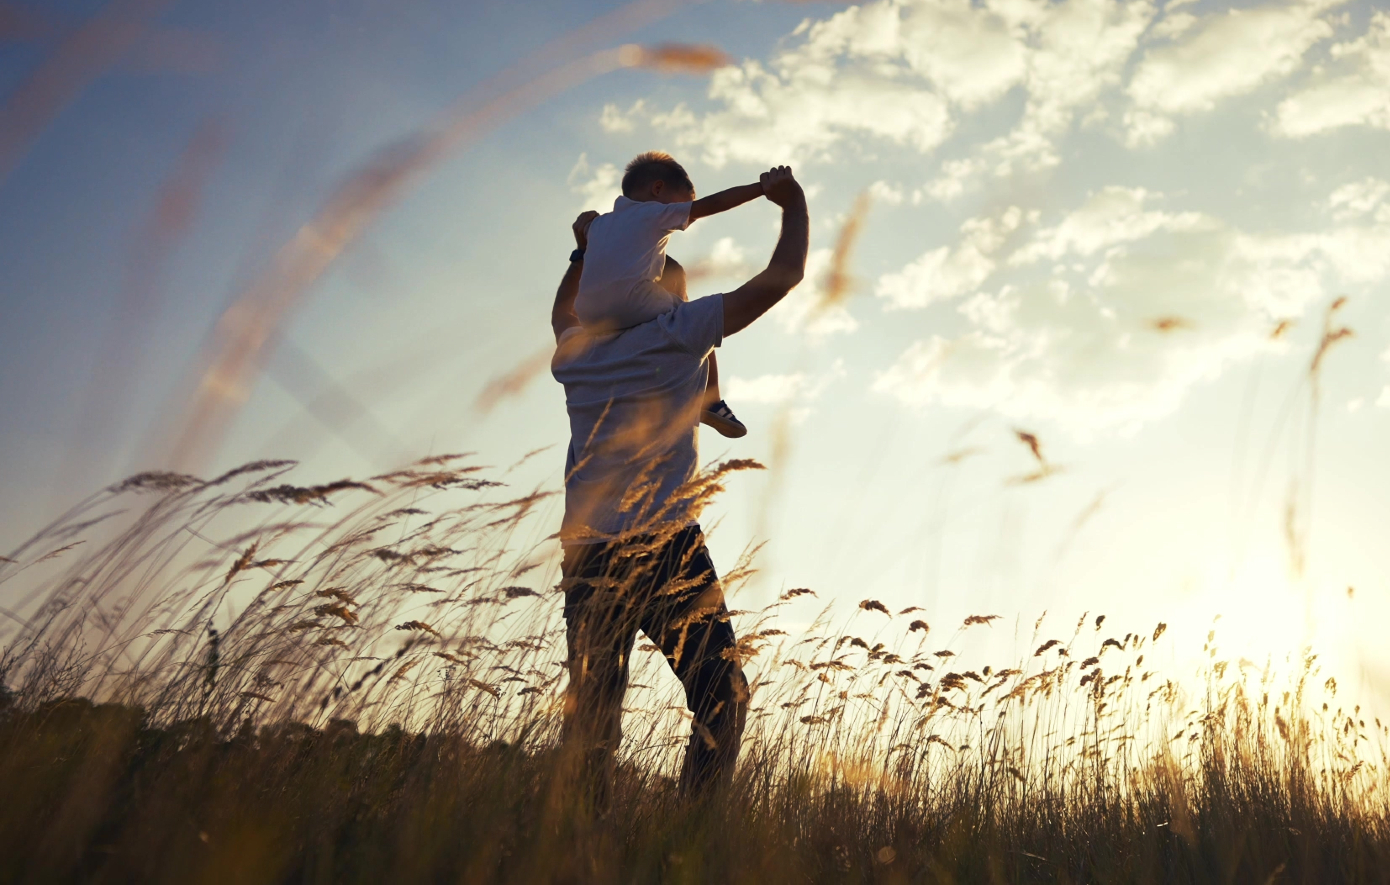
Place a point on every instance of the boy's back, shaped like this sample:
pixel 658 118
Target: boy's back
pixel 623 261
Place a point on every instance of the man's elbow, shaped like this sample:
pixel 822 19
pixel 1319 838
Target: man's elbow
pixel 787 277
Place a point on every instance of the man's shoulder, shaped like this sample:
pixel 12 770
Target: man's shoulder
pixel 696 326
pixel 690 328
pixel 695 309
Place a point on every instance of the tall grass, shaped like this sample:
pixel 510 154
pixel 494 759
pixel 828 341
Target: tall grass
pixel 245 679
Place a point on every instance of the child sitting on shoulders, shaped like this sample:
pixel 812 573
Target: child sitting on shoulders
pixel 626 255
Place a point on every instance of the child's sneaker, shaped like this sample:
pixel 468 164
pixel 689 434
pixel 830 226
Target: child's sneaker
pixel 721 418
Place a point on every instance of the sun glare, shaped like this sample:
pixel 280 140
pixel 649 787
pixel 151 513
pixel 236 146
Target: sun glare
pixel 1259 610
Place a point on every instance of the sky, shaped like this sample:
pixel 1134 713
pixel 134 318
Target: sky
pixel 1119 228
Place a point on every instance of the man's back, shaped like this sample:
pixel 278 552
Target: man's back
pixel 634 400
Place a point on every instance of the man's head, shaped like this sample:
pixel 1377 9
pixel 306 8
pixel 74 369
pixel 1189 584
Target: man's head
pixel 673 279
pixel 657 176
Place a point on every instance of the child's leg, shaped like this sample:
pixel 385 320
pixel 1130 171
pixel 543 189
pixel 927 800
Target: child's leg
pixel 714 411
pixel 712 386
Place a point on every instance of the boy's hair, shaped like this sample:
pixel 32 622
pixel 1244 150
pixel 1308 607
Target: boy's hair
pixel 654 166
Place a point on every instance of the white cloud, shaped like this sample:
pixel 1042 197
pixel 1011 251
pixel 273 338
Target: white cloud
pixel 1361 253
pixel 1081 47
pixel 599 186
pixel 777 389
pixel 614 120
pixel 727 253
pixel 1221 55
pixel 1075 51
pixel 797 110
pixel 972 54
pixel 1173 24
pixel 1112 216
pixel 765 388
pixel 900 71
pixel 883 192
pixel 1358 94
pixel 1146 304
pixel 955 175
pixel 726 260
pixel 949 272
pixel 804 310
pixel 1108 316
pixel 1360 198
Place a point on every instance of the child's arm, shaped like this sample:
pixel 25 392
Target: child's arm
pixel 725 200
pixel 562 313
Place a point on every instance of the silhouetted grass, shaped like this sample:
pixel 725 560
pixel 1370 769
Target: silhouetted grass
pixel 361 681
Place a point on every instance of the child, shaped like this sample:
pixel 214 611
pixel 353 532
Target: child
pixel 626 255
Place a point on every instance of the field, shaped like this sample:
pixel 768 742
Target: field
pixel 247 680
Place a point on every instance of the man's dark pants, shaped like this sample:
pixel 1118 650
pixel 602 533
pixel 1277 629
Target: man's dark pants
pixel 669 590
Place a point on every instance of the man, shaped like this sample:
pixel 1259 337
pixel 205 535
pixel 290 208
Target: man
pixel 634 556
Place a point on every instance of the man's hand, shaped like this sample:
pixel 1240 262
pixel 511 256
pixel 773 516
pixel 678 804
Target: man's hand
pixel 581 228
pixel 780 187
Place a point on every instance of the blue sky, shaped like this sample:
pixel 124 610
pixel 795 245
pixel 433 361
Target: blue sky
pixel 1086 219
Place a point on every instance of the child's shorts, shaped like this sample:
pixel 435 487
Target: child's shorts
pixel 611 310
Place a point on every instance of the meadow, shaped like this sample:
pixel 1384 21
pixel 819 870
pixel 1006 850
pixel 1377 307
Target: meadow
pixel 248 680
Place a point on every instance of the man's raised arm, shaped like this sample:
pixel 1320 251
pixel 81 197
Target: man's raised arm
pixel 788 264
pixel 562 314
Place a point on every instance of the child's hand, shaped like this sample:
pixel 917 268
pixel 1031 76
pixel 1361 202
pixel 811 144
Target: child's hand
pixel 763 180
pixel 780 187
pixel 581 228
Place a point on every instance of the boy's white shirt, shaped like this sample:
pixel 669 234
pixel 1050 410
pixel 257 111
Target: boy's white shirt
pixel 627 247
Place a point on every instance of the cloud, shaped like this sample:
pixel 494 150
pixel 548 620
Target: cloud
pixel 902 72
pixel 766 388
pixel 598 186
pixel 1360 245
pixel 914 73
pixel 1075 52
pixel 795 391
pixel 888 194
pixel 1361 198
pixel 794 113
pixel 948 272
pixel 971 54
pixel 1143 305
pixel 727 260
pixel 803 311
pixel 778 389
pixel 1219 56
pixel 1079 49
pixel 1172 24
pixel 1358 94
pixel 614 120
pixel 1112 216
